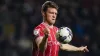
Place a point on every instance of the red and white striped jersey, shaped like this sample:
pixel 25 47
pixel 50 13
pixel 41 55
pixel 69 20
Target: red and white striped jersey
pixel 52 43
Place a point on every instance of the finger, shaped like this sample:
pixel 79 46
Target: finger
pixel 85 46
pixel 47 28
pixel 46 31
pixel 86 50
pixel 82 46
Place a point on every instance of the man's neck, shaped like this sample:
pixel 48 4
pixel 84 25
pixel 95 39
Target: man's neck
pixel 48 25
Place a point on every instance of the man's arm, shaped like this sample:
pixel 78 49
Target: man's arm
pixel 41 41
pixel 69 47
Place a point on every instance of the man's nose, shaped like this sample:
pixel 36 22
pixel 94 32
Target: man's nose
pixel 54 15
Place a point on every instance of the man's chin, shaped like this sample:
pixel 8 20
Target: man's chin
pixel 52 23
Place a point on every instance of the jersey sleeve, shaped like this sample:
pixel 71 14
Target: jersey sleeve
pixel 38 32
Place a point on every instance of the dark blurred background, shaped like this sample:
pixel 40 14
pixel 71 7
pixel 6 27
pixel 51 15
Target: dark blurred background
pixel 19 17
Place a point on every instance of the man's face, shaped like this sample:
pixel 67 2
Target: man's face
pixel 50 15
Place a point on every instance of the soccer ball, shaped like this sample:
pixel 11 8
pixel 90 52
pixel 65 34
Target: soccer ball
pixel 64 35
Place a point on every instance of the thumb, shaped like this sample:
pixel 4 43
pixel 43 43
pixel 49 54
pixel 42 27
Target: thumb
pixel 85 46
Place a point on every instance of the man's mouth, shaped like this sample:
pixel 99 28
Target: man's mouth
pixel 53 19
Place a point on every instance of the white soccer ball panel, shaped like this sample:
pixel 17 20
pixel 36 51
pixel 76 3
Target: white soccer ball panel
pixel 65 34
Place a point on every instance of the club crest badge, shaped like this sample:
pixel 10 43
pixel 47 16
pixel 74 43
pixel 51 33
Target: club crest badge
pixel 36 32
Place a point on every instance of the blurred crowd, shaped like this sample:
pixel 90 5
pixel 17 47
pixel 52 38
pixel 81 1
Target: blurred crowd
pixel 19 17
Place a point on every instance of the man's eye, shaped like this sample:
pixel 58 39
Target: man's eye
pixel 55 13
pixel 51 12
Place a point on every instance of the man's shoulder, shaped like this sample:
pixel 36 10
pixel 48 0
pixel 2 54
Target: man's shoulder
pixel 39 26
pixel 55 27
pixel 38 29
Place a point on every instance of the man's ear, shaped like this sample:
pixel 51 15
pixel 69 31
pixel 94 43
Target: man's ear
pixel 43 13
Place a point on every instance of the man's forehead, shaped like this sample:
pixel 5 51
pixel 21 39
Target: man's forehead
pixel 52 10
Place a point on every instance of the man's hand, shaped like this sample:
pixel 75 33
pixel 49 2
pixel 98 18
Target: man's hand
pixel 83 48
pixel 46 31
pixel 69 47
